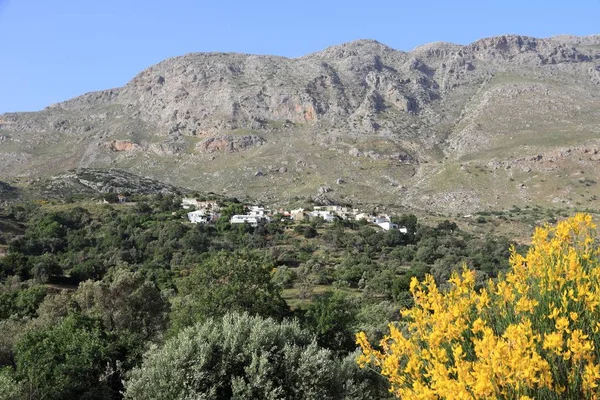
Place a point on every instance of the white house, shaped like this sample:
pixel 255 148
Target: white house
pixel 335 210
pixel 299 214
pixel 257 211
pixel 326 215
pixel 255 215
pixel 199 217
pixel 252 220
pixel 387 225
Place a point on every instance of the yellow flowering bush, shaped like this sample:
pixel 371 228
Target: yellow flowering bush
pixel 532 333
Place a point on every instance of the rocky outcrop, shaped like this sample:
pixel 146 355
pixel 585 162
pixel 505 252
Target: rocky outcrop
pixel 229 143
pixel 123 145
pixel 93 181
pixel 527 50
pixel 167 148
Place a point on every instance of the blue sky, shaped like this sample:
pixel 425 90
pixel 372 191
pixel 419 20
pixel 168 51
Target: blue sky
pixel 51 51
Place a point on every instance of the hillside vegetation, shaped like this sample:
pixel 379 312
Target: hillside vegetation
pixel 90 289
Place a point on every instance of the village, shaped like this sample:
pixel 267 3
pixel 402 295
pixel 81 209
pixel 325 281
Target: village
pixel 208 212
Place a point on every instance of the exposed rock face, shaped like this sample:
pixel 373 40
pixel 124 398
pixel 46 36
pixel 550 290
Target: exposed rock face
pixel 167 148
pixel 324 189
pixel 229 143
pixel 393 123
pixel 123 145
pixel 93 181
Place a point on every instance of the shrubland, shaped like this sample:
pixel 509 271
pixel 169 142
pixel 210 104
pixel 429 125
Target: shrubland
pixel 94 295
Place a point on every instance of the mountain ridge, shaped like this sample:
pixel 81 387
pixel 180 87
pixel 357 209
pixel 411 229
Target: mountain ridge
pixel 386 122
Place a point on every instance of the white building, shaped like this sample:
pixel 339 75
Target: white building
pixel 257 211
pixel 387 225
pixel 199 217
pixel 252 220
pixel 326 215
pixel 335 209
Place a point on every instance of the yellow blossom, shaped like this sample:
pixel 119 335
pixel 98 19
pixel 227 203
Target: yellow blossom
pixel 591 376
pixel 562 323
pixel 553 341
pixel 501 341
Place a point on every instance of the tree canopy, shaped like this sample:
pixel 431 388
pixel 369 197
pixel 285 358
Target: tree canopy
pixel 225 282
pixel 247 357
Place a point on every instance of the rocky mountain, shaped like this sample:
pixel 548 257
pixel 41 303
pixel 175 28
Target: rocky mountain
pixel 503 121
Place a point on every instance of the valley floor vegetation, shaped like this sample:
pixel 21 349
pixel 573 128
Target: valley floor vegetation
pixel 112 301
pixel 533 333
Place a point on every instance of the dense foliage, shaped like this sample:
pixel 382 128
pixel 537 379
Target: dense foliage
pixel 225 282
pixel 244 357
pixel 96 289
pixel 533 333
pixel 65 361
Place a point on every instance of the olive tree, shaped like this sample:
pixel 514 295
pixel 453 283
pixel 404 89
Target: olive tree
pixel 241 357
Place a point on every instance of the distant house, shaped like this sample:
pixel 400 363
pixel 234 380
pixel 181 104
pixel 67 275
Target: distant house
pixel 299 214
pixel 387 225
pixel 326 215
pixel 336 209
pixel 257 211
pixel 255 215
pixel 200 217
pixel 251 220
pixel 121 198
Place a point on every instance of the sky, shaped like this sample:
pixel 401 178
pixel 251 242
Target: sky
pixel 51 51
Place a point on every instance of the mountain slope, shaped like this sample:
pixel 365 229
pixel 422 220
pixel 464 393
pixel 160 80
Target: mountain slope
pixel 502 121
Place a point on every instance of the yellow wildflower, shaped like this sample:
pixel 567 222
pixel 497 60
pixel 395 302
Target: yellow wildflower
pixel 591 376
pixel 463 343
pixel 562 324
pixel 553 341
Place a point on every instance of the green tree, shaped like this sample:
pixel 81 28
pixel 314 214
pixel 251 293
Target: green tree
pixel 333 317
pixel 310 232
pixel 238 281
pixel 65 361
pixel 244 357
pixel 129 305
pixel 22 302
pixel 10 389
